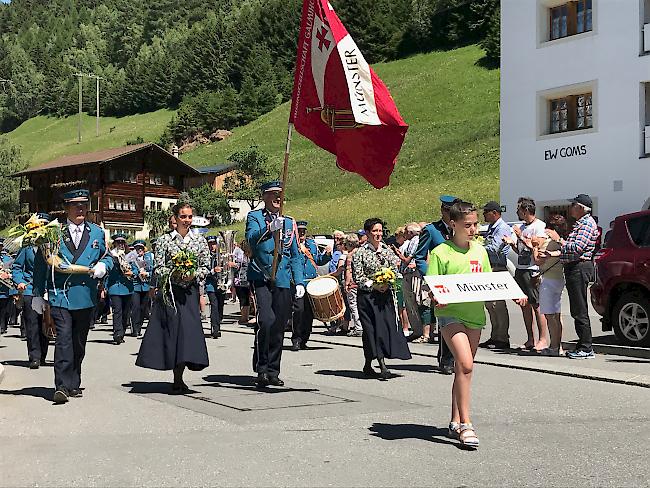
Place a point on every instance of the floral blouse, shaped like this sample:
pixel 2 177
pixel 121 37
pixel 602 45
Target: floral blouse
pixel 170 244
pixel 366 262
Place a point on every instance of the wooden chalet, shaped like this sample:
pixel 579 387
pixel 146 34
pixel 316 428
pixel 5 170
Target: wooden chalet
pixel 123 183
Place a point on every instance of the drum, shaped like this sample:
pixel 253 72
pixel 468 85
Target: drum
pixel 326 299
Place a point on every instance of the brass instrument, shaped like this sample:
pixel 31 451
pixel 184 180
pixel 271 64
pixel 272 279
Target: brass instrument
pixel 225 249
pixel 49 329
pixel 6 268
pixel 336 119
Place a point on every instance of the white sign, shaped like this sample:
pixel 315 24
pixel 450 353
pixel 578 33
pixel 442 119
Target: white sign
pixel 474 287
pixel 199 221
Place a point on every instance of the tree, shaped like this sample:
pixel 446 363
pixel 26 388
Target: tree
pixel 252 171
pixel 11 162
pixel 212 204
pixel 492 40
pixel 157 220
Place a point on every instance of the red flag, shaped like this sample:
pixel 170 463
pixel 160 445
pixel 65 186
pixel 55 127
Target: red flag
pixel 338 100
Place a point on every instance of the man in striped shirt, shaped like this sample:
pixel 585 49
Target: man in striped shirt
pixel 577 253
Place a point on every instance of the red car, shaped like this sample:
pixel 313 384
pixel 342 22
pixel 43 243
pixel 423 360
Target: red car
pixel 621 292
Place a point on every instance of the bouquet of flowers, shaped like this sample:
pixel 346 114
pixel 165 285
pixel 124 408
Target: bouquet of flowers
pixel 184 265
pixel 384 277
pixel 35 232
pixel 480 239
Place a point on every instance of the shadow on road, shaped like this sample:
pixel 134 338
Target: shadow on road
pixel 309 348
pixel 33 391
pixel 147 387
pixel 417 368
pixel 102 341
pixel 345 373
pixel 247 383
pixel 637 361
pixel 394 432
pixel 24 364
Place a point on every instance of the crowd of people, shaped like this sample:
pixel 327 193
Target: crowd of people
pixel 380 277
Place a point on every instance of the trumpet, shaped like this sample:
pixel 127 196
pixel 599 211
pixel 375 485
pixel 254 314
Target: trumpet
pixel 8 282
pixel 125 265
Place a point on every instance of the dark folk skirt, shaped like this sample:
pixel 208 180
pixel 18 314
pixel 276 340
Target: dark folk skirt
pixel 173 336
pixel 382 336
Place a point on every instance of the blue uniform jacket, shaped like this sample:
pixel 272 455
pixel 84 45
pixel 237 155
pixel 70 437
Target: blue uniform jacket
pixel 320 259
pixel 138 284
pixel 430 238
pixel 116 283
pixel 261 241
pixel 77 291
pixel 211 279
pixel 24 268
pixel 4 291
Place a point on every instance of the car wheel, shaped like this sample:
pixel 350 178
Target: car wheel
pixel 631 319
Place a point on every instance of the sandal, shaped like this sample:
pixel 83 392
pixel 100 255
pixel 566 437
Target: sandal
pixel 454 430
pixel 421 340
pixel 467 436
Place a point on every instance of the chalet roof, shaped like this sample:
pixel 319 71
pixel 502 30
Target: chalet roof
pixel 105 156
pixel 218 169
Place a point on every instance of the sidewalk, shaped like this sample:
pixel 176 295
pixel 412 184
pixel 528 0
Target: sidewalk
pixel 605 367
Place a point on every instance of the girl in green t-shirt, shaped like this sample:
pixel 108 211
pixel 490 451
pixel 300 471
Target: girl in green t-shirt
pixel 461 324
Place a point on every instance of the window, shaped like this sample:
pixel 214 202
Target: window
pixel 132 205
pixel 94 204
pixel 158 180
pixel 570 113
pixel 172 180
pixel 159 205
pixel 571 18
pixel 118 204
pixel 639 229
pixel 111 204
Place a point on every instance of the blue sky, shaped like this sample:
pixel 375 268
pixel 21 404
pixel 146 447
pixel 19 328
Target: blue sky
pixel 5 1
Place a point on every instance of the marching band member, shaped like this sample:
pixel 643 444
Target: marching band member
pixel 23 275
pixel 303 315
pixel 141 286
pixel 174 337
pixel 73 297
pixel 272 298
pixel 216 293
pixel 6 296
pixel 120 287
pixel 432 236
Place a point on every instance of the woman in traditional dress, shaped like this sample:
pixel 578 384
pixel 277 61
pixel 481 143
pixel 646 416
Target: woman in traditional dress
pixel 174 338
pixel 382 337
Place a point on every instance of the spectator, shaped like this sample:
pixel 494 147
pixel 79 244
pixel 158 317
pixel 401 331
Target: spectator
pixel 527 271
pixel 577 253
pixel 363 238
pixel 351 244
pixel 336 253
pixel 608 234
pixel 242 255
pixel 497 251
pixel 546 253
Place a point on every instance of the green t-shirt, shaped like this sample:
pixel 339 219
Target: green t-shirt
pixel 447 259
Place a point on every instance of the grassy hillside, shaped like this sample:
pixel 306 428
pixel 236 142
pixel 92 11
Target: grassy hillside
pixel 452 107
pixel 45 138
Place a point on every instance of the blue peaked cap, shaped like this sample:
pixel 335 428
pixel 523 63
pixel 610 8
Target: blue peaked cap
pixel 76 196
pixel 211 238
pixel 302 224
pixel 271 186
pixel 448 200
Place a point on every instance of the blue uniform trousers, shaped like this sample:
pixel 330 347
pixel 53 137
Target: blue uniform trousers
pixel 37 342
pixel 121 305
pixel 217 299
pixel 70 347
pixel 273 309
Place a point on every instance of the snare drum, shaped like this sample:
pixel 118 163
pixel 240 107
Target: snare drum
pixel 326 299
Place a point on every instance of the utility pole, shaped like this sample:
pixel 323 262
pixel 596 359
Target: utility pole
pixel 97 78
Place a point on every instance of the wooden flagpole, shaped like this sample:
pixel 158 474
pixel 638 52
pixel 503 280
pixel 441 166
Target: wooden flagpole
pixel 285 172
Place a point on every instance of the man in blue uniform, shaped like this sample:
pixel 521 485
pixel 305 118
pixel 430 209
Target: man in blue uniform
pixel 303 315
pixel 6 292
pixel 433 235
pixel 73 297
pixel 272 294
pixel 27 261
pixel 215 289
pixel 141 285
pixel 119 285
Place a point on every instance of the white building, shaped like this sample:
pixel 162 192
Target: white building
pixel 575 104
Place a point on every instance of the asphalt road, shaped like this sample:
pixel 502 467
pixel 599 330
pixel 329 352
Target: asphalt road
pixel 327 427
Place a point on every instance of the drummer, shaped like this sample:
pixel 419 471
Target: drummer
pixel 303 315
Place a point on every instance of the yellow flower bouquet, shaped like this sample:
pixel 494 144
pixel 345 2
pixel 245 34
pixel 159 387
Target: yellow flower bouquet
pixel 184 265
pixel 35 232
pixel 384 277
